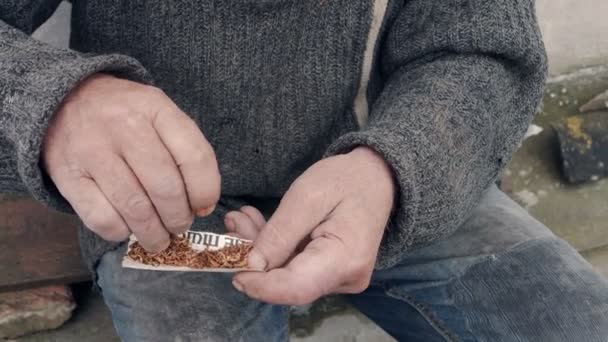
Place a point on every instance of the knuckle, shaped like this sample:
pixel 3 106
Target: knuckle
pixel 135 120
pixel 125 122
pixel 298 185
pixel 139 208
pixel 179 224
pixel 186 119
pixel 204 156
pixel 114 234
pixel 115 113
pixel 310 196
pixel 84 146
pixel 95 219
pixel 313 195
pixel 155 91
pixel 108 229
pixel 273 238
pixel 167 188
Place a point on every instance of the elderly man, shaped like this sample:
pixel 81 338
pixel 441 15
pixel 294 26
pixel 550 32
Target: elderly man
pixel 370 133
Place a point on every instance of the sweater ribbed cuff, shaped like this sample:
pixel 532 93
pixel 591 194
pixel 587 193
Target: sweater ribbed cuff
pixel 398 237
pixel 37 103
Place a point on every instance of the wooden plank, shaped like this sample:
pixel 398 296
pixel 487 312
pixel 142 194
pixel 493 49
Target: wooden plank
pixel 37 246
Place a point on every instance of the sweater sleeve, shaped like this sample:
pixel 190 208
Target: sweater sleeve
pixel 34 79
pixel 462 80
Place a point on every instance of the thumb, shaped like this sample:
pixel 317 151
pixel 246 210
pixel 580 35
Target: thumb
pixel 298 214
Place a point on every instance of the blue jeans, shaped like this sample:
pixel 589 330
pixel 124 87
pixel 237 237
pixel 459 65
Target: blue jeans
pixel 502 276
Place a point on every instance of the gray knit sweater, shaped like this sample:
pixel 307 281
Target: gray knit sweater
pixel 443 89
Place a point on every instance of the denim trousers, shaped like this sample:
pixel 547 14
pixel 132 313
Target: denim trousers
pixel 502 276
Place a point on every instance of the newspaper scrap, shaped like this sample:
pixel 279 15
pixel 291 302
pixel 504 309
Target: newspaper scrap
pixel 192 252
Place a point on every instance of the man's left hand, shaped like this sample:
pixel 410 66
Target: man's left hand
pixel 324 236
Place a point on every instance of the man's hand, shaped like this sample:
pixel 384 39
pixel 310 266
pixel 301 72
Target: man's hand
pixel 325 234
pixel 129 160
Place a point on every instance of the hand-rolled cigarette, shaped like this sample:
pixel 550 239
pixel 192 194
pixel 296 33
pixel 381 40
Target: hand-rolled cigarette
pixel 192 251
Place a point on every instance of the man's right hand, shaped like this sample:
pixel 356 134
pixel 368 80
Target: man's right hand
pixel 129 160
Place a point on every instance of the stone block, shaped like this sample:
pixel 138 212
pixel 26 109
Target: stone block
pixel 29 311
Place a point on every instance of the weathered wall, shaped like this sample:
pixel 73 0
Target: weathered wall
pixel 575 32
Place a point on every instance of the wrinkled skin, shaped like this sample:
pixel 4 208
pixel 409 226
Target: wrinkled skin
pixel 325 234
pixel 129 160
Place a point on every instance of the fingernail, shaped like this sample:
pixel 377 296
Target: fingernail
pixel 237 285
pixel 205 211
pixel 230 225
pixel 256 261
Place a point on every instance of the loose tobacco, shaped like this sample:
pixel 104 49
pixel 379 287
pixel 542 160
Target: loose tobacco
pixel 180 253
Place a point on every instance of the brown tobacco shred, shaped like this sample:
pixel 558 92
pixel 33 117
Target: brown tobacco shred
pixel 179 253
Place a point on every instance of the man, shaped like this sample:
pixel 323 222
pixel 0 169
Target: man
pixel 369 132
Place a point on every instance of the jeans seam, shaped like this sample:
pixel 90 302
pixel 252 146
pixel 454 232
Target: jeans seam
pixel 489 257
pixel 426 313
pixel 522 245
